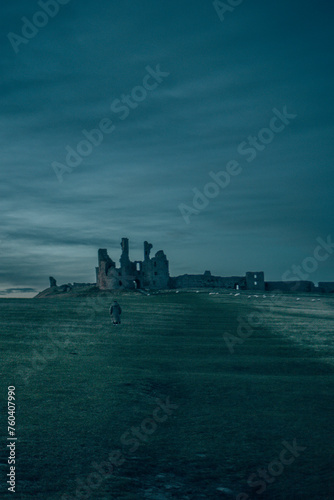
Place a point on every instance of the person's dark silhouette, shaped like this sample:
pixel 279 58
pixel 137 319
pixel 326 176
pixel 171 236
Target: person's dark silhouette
pixel 115 313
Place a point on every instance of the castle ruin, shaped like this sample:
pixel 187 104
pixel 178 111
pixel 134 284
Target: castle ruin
pixel 152 272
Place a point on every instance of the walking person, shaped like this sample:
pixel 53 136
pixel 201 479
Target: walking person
pixel 115 313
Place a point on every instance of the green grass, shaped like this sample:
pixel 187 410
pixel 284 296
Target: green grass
pixel 234 410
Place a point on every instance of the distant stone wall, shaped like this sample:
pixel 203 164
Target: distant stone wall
pixel 206 280
pixel 290 286
pixel 255 281
pixel 82 285
pixel 326 286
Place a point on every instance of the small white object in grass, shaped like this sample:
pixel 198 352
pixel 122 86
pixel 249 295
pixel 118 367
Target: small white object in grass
pixel 249 296
pixel 197 291
pixel 177 291
pixel 256 296
pixel 298 298
pixel 264 296
pixel 313 300
pixel 236 294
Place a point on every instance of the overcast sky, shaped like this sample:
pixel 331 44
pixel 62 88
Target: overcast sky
pixel 221 76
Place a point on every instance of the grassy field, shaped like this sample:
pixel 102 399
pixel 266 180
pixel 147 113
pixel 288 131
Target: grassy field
pixel 179 408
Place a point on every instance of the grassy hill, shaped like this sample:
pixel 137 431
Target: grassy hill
pixel 88 393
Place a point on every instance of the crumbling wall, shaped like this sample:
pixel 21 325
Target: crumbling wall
pixel 159 276
pixel 150 273
pixel 326 286
pixel 155 270
pixel 206 280
pixel 290 286
pixel 53 282
pixel 255 281
pixel 105 264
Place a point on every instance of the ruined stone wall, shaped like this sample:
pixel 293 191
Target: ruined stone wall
pixel 255 281
pixel 208 281
pixel 104 265
pixel 159 276
pixel 150 273
pixel 290 286
pixel 326 286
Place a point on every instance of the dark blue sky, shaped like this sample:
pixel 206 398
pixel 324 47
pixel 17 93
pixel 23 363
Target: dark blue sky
pixel 224 80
